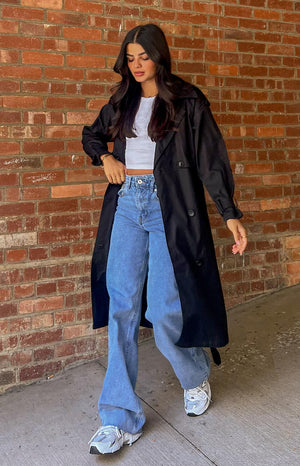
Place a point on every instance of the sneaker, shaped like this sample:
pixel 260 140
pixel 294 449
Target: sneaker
pixel 197 400
pixel 109 439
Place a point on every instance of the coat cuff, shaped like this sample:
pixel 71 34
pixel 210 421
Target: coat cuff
pixel 232 213
pixel 96 158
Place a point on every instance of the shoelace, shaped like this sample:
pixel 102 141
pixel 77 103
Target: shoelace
pixel 191 394
pixel 105 430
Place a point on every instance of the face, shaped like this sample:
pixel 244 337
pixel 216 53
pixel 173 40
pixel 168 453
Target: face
pixel 143 69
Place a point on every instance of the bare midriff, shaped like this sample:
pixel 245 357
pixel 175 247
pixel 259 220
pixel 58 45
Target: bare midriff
pixel 132 172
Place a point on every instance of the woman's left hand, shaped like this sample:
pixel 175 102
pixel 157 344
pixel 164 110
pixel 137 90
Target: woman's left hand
pixel 239 234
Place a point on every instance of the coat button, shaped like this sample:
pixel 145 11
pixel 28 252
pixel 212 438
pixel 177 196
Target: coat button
pixel 199 262
pixel 180 163
pixel 191 213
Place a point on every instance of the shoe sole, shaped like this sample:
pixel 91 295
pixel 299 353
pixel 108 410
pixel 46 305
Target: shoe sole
pixel 94 450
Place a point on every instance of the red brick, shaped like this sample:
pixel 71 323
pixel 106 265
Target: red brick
pixel 24 291
pixel 70 205
pixel 85 61
pixel 42 58
pixel 60 251
pixel 41 338
pixel 8 309
pixel 20 358
pixel 64 349
pixel 46 288
pixel 51 4
pixel 62 132
pixel 267 14
pixel 273 204
pixel 5 294
pixel 64 74
pixel 29 306
pixel 258 167
pixel 21 208
pixel 66 286
pixel 22 13
pixel 43 148
pixel 42 321
pixel 75 331
pixel 81 248
pixel 39 371
pixel 38 254
pixel 31 274
pixel 64 161
pixel 36 193
pixel 12 194
pixel 10 148
pixel 63 317
pixel 7 179
pixel 65 235
pixel 42 354
pixel 65 102
pixel 16 255
pixel 270 191
pixel 84 6
pixel 78 219
pixel 9 56
pixel 8 27
pixel 78 190
pixel 42 177
pixel 293 268
pixel 22 102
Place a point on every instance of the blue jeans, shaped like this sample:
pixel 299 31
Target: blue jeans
pixel 138 251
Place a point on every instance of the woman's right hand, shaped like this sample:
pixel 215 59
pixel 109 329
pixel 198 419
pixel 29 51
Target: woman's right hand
pixel 114 169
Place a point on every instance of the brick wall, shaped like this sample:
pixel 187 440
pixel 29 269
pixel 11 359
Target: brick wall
pixel 56 58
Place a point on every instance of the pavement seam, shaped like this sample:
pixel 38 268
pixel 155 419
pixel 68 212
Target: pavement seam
pixel 179 433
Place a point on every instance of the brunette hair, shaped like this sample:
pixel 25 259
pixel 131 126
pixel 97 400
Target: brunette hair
pixel 127 93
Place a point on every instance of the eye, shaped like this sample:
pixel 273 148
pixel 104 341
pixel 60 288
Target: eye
pixel 146 58
pixel 130 60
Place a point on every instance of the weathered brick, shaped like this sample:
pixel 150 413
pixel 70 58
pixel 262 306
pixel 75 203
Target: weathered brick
pixel 16 255
pixel 29 306
pixel 41 337
pixel 39 371
pixel 7 377
pixel 52 4
pixel 8 309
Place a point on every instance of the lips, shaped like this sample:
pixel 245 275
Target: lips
pixel 139 73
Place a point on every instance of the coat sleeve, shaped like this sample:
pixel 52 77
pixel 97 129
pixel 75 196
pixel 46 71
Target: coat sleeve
pixel 95 137
pixel 212 161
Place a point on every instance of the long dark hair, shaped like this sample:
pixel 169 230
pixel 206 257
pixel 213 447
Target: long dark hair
pixel 127 93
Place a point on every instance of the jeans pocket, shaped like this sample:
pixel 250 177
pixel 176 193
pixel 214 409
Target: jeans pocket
pixel 122 190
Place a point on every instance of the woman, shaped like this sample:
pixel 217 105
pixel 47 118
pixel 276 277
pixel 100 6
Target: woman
pixel 154 260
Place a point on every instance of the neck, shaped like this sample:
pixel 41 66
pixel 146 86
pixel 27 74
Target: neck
pixel 149 89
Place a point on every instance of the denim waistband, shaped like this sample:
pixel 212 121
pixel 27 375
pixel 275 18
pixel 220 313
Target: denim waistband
pixel 140 181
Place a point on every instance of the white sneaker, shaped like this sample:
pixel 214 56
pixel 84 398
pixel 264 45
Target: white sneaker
pixel 197 400
pixel 109 439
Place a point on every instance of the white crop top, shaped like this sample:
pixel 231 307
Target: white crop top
pixel 139 153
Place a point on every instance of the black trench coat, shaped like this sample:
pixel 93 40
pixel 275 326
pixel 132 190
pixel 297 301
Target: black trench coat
pixel 189 156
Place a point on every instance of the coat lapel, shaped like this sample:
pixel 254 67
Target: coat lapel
pixel 163 143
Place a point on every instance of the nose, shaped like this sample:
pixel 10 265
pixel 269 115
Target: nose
pixel 137 63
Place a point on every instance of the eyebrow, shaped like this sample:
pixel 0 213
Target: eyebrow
pixel 139 54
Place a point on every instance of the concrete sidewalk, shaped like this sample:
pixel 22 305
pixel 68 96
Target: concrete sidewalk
pixel 253 420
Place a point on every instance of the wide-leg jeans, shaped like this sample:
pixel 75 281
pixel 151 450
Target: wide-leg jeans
pixel 139 252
